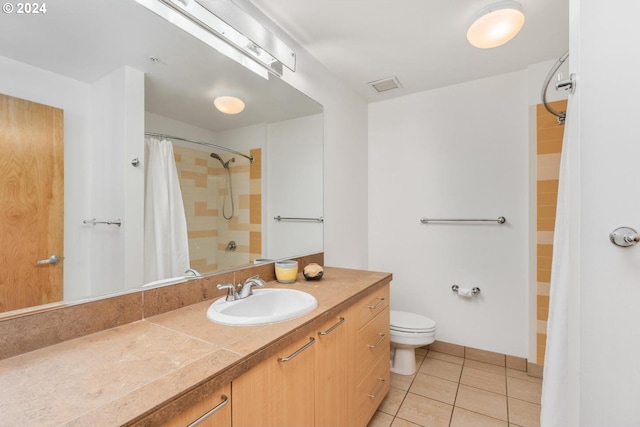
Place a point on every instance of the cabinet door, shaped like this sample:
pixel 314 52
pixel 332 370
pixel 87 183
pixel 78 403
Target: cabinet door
pixel 213 411
pixel 332 382
pixel 279 392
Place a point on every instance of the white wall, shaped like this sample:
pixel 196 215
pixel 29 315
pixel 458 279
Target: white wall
pixel 37 85
pixel 603 316
pixel 456 152
pixel 345 153
pixel 293 175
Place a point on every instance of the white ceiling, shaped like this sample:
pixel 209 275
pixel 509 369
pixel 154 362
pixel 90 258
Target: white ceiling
pixel 421 42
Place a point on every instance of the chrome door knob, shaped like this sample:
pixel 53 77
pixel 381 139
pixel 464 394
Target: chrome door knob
pixel 53 259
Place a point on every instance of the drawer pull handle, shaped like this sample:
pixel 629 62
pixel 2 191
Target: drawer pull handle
pixel 378 390
pixel 378 304
pixel 298 351
pixel 372 346
pixel 328 331
pixel 213 410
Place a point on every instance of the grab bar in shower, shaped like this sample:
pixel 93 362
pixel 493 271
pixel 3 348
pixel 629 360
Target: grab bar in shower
pixel 499 220
pixel 282 218
pixel 94 221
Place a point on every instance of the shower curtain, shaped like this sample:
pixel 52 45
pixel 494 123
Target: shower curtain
pixel 166 246
pixel 555 386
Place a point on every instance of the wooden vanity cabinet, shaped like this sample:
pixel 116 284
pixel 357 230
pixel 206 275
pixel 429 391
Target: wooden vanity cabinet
pixel 278 392
pixel 369 361
pixel 213 411
pixel 336 376
pixel 332 373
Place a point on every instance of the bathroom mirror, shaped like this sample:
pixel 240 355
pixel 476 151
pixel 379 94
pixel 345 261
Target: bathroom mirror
pixel 117 70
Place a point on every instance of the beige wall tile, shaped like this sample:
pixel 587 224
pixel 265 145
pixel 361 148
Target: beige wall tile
pixel 545 237
pixel 518 363
pixel 443 347
pixel 484 356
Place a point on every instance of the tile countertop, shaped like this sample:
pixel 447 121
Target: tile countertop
pixel 117 376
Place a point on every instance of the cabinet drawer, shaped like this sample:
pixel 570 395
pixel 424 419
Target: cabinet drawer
pixel 371 342
pixel 371 391
pixel 215 411
pixel 367 308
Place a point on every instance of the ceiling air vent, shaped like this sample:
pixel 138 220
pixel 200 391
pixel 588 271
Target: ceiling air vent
pixel 386 84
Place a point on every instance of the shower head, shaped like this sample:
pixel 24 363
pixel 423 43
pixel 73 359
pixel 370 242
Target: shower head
pixel 226 164
pixel 216 156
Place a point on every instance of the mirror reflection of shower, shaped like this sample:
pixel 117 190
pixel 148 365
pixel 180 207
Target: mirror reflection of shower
pixel 228 185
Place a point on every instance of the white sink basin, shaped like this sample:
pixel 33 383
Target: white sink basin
pixel 264 306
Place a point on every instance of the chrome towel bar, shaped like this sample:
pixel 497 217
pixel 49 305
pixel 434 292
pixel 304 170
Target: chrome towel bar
pixel 282 218
pixel 95 221
pixel 499 220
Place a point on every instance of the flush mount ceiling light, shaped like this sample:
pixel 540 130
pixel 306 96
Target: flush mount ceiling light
pixel 229 104
pixel 496 24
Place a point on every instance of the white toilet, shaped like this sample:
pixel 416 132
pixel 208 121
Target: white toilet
pixel 408 331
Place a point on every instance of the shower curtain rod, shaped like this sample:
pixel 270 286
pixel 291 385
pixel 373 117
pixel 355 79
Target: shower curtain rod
pixel 562 84
pixel 206 144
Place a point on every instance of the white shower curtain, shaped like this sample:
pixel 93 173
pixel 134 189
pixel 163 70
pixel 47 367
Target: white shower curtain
pixel 555 386
pixel 166 246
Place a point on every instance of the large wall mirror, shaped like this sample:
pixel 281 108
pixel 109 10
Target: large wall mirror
pixel 91 79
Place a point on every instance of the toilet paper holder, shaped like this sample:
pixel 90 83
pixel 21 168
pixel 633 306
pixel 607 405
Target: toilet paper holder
pixel 474 291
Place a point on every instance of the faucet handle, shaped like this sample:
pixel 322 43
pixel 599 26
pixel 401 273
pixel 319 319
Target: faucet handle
pixel 231 290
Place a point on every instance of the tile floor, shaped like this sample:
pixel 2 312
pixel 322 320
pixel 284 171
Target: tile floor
pixel 451 391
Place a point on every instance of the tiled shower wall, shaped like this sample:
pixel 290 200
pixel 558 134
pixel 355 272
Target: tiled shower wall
pixel 203 182
pixel 549 147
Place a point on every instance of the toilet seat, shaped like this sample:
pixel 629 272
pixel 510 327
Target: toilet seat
pixel 405 322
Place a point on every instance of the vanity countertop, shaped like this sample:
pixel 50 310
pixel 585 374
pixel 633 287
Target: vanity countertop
pixel 117 376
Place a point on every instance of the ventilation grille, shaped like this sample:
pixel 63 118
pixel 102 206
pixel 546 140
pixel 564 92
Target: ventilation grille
pixel 385 84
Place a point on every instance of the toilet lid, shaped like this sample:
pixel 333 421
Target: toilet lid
pixel 411 322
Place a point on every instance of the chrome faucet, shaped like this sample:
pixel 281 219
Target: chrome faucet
pixel 245 289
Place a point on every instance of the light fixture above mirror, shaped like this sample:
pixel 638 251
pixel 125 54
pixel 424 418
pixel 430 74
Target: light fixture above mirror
pixel 496 24
pixel 235 34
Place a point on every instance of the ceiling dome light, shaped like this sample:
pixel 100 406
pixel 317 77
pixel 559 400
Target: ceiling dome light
pixel 229 104
pixel 496 24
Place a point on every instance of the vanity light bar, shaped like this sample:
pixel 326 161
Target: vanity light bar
pixel 206 36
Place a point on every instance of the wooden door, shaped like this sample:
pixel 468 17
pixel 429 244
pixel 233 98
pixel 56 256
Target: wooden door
pixel 31 203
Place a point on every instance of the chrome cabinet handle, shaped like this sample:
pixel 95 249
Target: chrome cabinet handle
pixel 328 331
pixel 298 351
pixel 212 411
pixel 373 307
pixel 53 259
pixel 372 346
pixel 378 390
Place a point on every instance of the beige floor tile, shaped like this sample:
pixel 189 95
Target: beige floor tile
pixel 519 363
pixel 392 401
pixel 524 390
pixel 399 422
pixel 485 356
pixel 425 412
pixel 380 419
pixel 463 418
pixel 403 382
pixel 441 369
pixel 482 401
pixel 422 350
pixel 443 347
pixel 484 366
pixel 485 380
pixel 435 388
pixel 523 376
pixel 523 413
pixel 446 357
